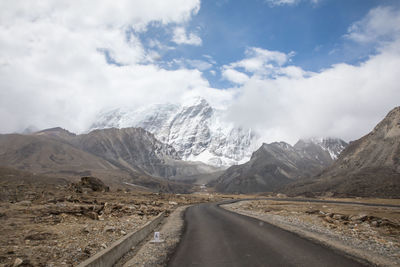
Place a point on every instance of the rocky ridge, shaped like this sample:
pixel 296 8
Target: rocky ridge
pixel 274 165
pixel 369 166
pixel 130 156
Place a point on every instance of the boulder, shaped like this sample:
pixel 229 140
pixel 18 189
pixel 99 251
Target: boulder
pixel 312 211
pixel 91 183
pixel 359 217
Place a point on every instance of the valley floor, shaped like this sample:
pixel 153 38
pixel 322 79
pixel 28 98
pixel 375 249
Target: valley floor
pixel 54 225
pixel 371 233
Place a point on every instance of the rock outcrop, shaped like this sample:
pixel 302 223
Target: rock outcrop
pixel 90 183
pixel 274 165
pixel 369 166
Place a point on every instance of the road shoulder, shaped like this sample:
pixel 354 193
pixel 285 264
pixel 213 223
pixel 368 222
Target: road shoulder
pixel 157 254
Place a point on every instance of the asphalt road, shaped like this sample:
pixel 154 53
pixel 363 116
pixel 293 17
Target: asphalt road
pixel 217 237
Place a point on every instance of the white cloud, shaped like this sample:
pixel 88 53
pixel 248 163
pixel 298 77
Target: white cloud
pixel 261 62
pixel 288 2
pixel 344 101
pixel 181 37
pixel 258 59
pixel 93 13
pixel 380 24
pixel 156 44
pixel 210 59
pixel 282 2
pixel 53 68
pixel 198 64
pixel 285 102
pixel 292 72
pixel 53 72
pixel 235 76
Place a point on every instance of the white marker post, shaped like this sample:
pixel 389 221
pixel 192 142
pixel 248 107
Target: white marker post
pixel 156 238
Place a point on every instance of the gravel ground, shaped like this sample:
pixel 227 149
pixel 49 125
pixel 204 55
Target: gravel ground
pixel 64 234
pixel 157 254
pixel 52 225
pixel 361 241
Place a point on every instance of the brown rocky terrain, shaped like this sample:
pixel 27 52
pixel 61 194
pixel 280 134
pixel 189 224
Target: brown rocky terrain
pixel 119 156
pixel 52 222
pixel 369 166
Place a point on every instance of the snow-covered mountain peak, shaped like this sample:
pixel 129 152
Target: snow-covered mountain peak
pixel 195 101
pixel 196 130
pixel 334 146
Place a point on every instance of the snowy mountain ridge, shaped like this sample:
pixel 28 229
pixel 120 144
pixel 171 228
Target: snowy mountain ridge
pixel 197 131
pixel 334 146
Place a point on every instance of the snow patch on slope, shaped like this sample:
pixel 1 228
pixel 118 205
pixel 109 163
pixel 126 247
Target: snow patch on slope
pixel 334 146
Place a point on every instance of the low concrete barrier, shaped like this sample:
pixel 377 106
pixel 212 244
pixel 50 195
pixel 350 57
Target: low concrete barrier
pixel 110 255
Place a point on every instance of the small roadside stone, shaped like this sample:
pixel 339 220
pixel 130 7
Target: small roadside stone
pixel 25 203
pixel 109 229
pixel 93 215
pixel 359 217
pixel 312 211
pixel 328 219
pixel 17 262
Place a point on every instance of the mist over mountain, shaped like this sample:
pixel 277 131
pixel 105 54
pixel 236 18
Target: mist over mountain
pixel 196 130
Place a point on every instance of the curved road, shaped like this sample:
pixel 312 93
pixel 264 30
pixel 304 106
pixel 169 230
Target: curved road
pixel 216 237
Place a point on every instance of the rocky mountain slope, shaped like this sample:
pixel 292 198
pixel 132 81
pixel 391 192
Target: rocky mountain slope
pixel 369 166
pixel 334 146
pixel 274 165
pixel 196 130
pixel 139 150
pixel 130 156
pixel 42 154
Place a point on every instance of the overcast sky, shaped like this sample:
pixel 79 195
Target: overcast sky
pixel 286 68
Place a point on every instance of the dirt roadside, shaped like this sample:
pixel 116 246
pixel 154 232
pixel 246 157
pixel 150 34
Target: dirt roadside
pixel 58 225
